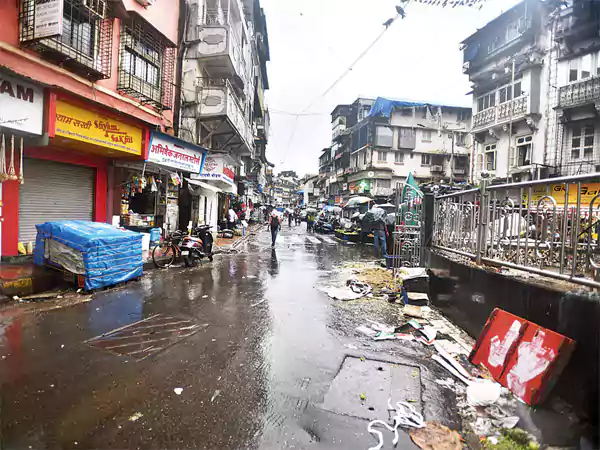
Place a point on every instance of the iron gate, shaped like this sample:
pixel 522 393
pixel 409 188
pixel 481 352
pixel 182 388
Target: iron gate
pixel 407 245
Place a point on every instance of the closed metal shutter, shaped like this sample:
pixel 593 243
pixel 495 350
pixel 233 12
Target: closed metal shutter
pixel 54 191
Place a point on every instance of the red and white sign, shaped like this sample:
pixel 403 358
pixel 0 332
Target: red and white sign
pixel 174 154
pixel 522 356
pixel 215 168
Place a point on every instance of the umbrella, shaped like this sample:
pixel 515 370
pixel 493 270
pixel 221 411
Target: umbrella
pixel 385 205
pixel 311 210
pixel 355 201
pixel 374 215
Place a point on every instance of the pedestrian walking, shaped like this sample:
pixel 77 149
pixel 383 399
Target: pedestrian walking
pixel 231 219
pixel 275 226
pixel 310 222
pixel 380 238
pixel 290 219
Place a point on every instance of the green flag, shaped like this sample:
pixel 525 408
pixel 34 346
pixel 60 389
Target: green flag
pixel 407 192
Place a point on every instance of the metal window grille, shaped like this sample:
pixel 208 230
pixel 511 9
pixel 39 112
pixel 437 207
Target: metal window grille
pixel 85 45
pixel 147 64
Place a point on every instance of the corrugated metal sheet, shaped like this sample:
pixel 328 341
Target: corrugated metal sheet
pixel 54 191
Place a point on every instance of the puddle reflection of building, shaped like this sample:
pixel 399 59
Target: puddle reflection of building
pixel 11 338
pixel 118 311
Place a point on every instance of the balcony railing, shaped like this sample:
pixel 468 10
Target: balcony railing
pixel 381 191
pixel 459 171
pixel 576 94
pixel 216 97
pixel 495 115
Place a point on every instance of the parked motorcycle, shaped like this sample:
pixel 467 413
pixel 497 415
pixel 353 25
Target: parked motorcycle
pixel 192 248
pixel 197 246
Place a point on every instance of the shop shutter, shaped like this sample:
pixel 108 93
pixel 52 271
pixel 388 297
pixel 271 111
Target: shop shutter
pixel 54 191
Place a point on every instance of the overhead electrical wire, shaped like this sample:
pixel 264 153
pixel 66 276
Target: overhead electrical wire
pixel 340 78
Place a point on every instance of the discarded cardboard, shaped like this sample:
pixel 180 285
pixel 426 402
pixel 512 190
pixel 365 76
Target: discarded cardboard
pixel 413 311
pixel 436 437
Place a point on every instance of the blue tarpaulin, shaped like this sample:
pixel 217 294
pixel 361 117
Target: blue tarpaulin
pixel 106 255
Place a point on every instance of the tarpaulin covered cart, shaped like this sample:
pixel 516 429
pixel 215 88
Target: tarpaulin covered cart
pixel 99 254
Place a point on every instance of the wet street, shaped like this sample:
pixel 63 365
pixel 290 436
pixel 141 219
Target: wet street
pixel 245 352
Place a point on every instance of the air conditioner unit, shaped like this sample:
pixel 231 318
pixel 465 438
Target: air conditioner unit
pixel 96 7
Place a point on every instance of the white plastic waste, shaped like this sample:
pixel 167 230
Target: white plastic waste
pixel 483 392
pixel 404 415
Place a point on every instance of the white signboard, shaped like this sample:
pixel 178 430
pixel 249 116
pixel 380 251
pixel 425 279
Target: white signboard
pixel 48 18
pixel 215 168
pixel 21 105
pixel 174 154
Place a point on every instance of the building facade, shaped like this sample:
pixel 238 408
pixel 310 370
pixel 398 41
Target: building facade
pixel 83 86
pixel 531 68
pixel 224 80
pixel 376 144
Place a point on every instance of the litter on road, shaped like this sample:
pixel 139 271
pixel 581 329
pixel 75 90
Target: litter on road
pixel 435 436
pixel 178 391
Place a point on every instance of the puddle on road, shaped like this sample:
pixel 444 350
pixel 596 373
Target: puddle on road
pixel 146 337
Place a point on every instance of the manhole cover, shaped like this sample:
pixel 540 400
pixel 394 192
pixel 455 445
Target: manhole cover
pixel 376 381
pixel 146 337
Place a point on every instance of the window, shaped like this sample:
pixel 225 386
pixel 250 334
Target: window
pixel 490 157
pixel 365 157
pixel 426 136
pixel 486 101
pixel 505 94
pixel 406 112
pixel 145 62
pixel 85 44
pixel 78 33
pixel 581 68
pixel 524 151
pixel 425 160
pixel 399 158
pixel 582 142
pixel 386 184
pixel 384 136
pixel 381 156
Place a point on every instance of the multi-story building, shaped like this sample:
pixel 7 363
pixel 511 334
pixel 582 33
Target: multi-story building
pixel 574 88
pixel 86 87
pixel 285 191
pixel 223 84
pixel 507 62
pixel 376 144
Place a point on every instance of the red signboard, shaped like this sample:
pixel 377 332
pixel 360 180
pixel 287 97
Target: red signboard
pixel 522 356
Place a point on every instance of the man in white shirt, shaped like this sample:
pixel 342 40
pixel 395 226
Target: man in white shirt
pixel 231 219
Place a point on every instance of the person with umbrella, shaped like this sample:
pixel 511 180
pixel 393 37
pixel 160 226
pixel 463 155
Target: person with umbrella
pixel 310 220
pixel 274 226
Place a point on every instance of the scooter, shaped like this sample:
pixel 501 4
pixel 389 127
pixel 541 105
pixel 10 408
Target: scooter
pixel 197 246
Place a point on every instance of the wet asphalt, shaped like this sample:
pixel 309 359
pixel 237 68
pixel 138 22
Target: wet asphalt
pixel 239 353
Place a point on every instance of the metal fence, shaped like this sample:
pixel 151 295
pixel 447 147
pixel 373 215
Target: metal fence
pixel 547 227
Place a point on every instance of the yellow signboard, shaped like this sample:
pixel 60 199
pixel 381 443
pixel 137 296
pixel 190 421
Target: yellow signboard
pixel 557 192
pixel 94 128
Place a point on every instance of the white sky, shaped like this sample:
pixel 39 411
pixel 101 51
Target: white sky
pixel 313 42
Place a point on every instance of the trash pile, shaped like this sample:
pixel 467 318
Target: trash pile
pixel 358 280
pixel 485 403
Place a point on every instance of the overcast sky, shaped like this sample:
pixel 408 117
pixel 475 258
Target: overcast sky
pixel 313 42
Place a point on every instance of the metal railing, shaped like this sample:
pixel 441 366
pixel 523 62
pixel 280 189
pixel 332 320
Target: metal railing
pixel 547 227
pixel 502 112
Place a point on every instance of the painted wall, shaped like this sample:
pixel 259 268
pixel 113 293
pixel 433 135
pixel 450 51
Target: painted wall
pixel 163 15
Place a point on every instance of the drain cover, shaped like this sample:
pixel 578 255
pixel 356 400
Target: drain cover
pixel 362 388
pixel 146 337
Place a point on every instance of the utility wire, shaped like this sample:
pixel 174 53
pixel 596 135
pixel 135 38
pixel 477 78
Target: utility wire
pixel 336 82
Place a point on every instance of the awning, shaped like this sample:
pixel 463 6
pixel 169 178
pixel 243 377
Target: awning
pixel 207 186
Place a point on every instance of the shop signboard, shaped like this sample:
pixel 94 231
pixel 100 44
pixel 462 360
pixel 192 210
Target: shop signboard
pixel 21 105
pixel 557 192
pixel 170 152
pixel 47 19
pixel 94 128
pixel 216 168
